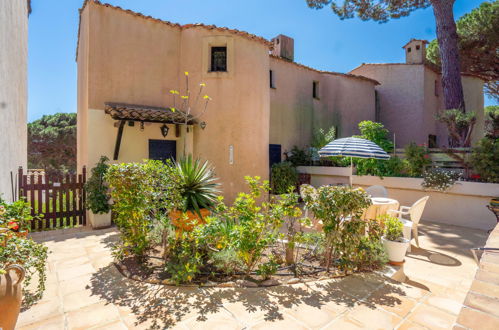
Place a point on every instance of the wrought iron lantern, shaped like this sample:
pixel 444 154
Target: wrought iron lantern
pixel 164 130
pixel 202 125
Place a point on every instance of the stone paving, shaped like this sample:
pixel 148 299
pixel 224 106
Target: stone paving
pixel 85 291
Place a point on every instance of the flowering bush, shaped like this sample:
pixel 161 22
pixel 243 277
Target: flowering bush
pixel 17 249
pixel 439 179
pixel 16 216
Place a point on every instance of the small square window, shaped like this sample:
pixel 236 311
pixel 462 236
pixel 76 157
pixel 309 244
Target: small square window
pixel 272 84
pixel 409 49
pixel 315 89
pixel 417 47
pixel 219 59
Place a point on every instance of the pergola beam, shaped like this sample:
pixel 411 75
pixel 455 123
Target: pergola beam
pixel 118 139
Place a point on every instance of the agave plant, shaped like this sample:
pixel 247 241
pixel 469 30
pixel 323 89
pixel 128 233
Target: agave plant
pixel 198 184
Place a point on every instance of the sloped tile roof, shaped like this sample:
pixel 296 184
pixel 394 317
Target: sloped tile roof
pixel 348 75
pixel 244 34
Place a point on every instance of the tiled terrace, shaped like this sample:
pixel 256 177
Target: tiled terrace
pixel 85 291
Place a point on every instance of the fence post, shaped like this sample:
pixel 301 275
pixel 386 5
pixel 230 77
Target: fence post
pixel 20 180
pixel 84 195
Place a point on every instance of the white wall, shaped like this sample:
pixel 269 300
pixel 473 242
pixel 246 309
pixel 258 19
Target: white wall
pixel 13 90
pixel 462 205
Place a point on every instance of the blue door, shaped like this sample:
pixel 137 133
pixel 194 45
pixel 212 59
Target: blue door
pixel 274 154
pixel 162 150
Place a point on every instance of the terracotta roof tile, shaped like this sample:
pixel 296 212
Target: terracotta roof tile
pixel 175 25
pixel 422 40
pixel 428 65
pixel 348 75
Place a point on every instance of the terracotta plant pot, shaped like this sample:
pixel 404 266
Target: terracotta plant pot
pixel 178 219
pixel 395 250
pixel 10 296
pixel 494 204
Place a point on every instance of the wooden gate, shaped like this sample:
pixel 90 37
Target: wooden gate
pixel 56 201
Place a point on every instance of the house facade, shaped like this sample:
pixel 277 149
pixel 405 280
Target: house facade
pixel 410 96
pixel 13 92
pixel 262 101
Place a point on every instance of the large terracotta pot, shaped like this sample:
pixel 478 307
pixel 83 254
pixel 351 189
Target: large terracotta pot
pixel 178 219
pixel 10 296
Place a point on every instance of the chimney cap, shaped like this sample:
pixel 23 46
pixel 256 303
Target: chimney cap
pixel 414 40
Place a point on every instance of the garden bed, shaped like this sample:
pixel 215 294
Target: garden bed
pixel 152 271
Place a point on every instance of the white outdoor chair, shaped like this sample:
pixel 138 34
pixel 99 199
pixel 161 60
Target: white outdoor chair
pixel 377 191
pixel 414 213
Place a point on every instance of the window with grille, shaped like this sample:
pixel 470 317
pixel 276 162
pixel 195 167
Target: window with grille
pixel 218 59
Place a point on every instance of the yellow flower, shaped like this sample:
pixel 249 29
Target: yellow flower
pixel 206 97
pixel 219 246
pixel 172 91
pixel 186 73
pixel 184 97
pixel 202 84
pixel 189 278
pixel 173 109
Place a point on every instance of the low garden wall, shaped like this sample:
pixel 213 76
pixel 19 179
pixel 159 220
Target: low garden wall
pixel 464 204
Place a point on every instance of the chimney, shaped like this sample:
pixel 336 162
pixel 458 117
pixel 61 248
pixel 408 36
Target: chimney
pixel 415 51
pixel 284 47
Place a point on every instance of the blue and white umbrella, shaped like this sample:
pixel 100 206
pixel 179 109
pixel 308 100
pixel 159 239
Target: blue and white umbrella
pixel 353 147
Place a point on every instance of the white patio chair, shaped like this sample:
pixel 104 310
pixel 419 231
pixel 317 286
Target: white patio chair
pixel 414 213
pixel 377 191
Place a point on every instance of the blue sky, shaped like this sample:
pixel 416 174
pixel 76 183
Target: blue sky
pixel 321 39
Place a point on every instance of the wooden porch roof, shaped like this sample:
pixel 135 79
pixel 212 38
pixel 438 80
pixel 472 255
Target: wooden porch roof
pixel 133 112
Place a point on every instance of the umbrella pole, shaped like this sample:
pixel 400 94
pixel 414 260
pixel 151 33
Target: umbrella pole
pixel 351 171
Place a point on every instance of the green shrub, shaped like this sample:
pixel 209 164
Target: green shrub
pixel 485 159
pixel 283 177
pixel 339 207
pixel 417 159
pixel 299 157
pixel 378 134
pixel 185 258
pixel 97 189
pixel 394 228
pixel 142 193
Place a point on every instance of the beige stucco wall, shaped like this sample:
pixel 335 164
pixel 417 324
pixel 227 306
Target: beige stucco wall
pixel 409 104
pixel 127 59
pixel 13 90
pixel 294 114
pixel 401 97
pixel 474 101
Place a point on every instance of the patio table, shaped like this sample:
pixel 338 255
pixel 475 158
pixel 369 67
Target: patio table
pixel 379 207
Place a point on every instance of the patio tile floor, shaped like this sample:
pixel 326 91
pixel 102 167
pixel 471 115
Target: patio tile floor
pixel 85 291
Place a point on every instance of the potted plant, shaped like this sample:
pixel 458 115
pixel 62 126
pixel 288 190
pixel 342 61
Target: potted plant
pixel 20 259
pixel 97 196
pixel 394 242
pixel 198 191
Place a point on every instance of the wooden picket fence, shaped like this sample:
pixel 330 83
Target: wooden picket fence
pixel 56 201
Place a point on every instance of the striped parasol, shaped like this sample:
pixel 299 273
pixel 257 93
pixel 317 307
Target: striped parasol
pixel 353 147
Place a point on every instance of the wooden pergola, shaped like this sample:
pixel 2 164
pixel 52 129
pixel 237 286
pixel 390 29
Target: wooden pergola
pixel 145 114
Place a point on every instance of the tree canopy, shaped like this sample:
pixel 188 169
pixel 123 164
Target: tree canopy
pixel 377 10
pixel 383 10
pixel 478 45
pixel 52 143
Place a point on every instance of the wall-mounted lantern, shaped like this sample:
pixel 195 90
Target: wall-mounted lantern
pixel 141 125
pixel 164 130
pixel 202 125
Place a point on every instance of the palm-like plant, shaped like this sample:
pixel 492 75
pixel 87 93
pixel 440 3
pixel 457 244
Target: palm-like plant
pixel 198 184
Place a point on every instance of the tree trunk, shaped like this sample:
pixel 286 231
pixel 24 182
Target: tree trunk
pixel 449 54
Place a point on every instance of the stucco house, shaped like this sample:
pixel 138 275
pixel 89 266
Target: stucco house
pixel 13 91
pixel 410 95
pixel 263 102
